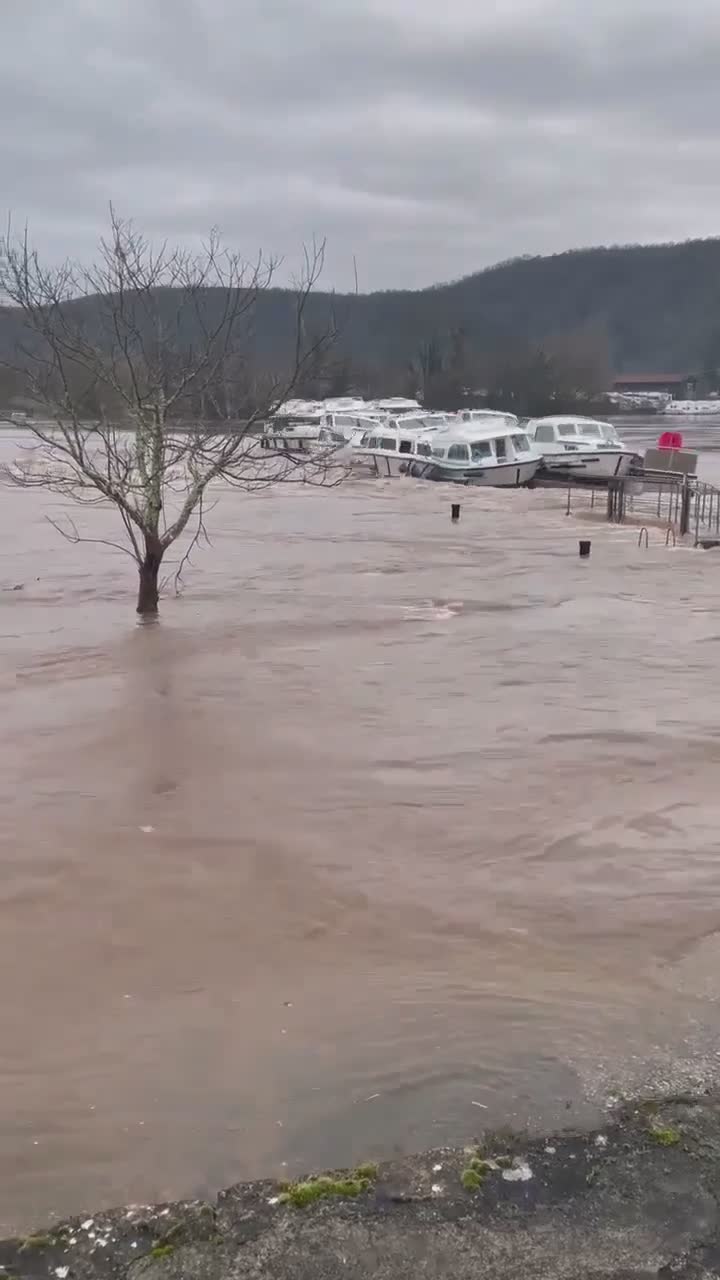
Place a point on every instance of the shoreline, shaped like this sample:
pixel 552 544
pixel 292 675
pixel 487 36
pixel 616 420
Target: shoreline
pixel 639 1197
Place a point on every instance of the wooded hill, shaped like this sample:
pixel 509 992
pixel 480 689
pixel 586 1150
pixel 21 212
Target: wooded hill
pixel 592 312
pixel 657 307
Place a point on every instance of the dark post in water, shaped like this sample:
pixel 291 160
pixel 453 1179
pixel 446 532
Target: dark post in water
pixel 584 548
pixel 685 508
pixel 455 511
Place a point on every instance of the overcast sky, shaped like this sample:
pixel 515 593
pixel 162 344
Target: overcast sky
pixel 428 138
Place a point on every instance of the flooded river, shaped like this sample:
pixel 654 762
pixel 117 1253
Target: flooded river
pixel 391 829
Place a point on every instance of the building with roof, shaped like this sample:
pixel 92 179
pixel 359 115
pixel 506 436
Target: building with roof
pixel 679 386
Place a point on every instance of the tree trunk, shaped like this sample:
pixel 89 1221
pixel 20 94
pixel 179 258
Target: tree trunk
pixel 147 603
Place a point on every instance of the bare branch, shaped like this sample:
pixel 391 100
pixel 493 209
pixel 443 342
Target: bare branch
pixel 134 364
pixel 72 535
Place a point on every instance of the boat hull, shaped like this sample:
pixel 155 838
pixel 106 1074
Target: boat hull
pixel 504 475
pixel 595 464
pixel 384 464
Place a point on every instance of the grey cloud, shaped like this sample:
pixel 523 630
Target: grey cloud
pixel 425 140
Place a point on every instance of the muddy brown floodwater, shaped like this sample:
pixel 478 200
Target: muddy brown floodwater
pixel 391 829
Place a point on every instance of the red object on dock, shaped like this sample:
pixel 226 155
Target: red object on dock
pixel 670 440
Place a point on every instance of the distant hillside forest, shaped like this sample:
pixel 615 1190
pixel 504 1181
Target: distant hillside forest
pixel 530 334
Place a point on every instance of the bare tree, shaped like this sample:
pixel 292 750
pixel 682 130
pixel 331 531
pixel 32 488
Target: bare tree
pixel 136 367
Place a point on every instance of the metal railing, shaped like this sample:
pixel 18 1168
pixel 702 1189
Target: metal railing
pixel 681 504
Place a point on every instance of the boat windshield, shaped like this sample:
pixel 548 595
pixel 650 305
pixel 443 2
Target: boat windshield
pixel 423 450
pixel 594 430
pixel 480 449
pixel 520 443
pixel 609 433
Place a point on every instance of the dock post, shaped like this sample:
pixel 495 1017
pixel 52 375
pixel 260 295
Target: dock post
pixel 616 501
pixel 455 512
pixel 685 509
pixel 584 548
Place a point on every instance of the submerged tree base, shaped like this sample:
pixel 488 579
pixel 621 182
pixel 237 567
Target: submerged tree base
pixel 148 592
pixel 626 1202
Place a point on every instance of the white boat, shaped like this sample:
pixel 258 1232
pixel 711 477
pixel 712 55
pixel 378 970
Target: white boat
pixel 479 453
pixel 388 448
pixel 340 429
pixel 489 417
pixel 393 406
pixel 580 447
pixel 294 427
pixel 305 426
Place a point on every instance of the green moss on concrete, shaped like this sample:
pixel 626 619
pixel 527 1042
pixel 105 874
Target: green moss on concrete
pixel 473 1177
pixel 161 1251
pixel 471 1180
pixel 324 1186
pixel 665 1136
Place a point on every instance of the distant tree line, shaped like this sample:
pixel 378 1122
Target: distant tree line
pixel 530 333
pixel 446 371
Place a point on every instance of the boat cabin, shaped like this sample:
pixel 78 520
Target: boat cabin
pixel 490 448
pixel 488 417
pixel 559 430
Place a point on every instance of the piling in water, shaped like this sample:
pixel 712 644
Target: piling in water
pixel 584 546
pixel 455 511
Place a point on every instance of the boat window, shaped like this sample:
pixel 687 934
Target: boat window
pixel 388 443
pixel 544 434
pixel 568 429
pixel 520 443
pixel 480 449
pixel 590 431
pixel 500 449
pixel 372 442
pixel 423 450
pixel 609 433
pixel 405 446
pixel 438 453
pixel 458 452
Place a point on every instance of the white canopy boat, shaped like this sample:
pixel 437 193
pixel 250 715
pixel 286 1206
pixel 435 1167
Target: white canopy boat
pixel 388 448
pixel 479 453
pixel 393 406
pixel 580 447
pixel 306 426
pixel 340 429
pixel 294 427
pixel 488 417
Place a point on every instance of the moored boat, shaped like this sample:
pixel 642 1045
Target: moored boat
pixel 495 453
pixel 580 448
pixel 388 448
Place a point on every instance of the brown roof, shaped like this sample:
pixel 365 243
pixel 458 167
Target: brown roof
pixel 652 377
